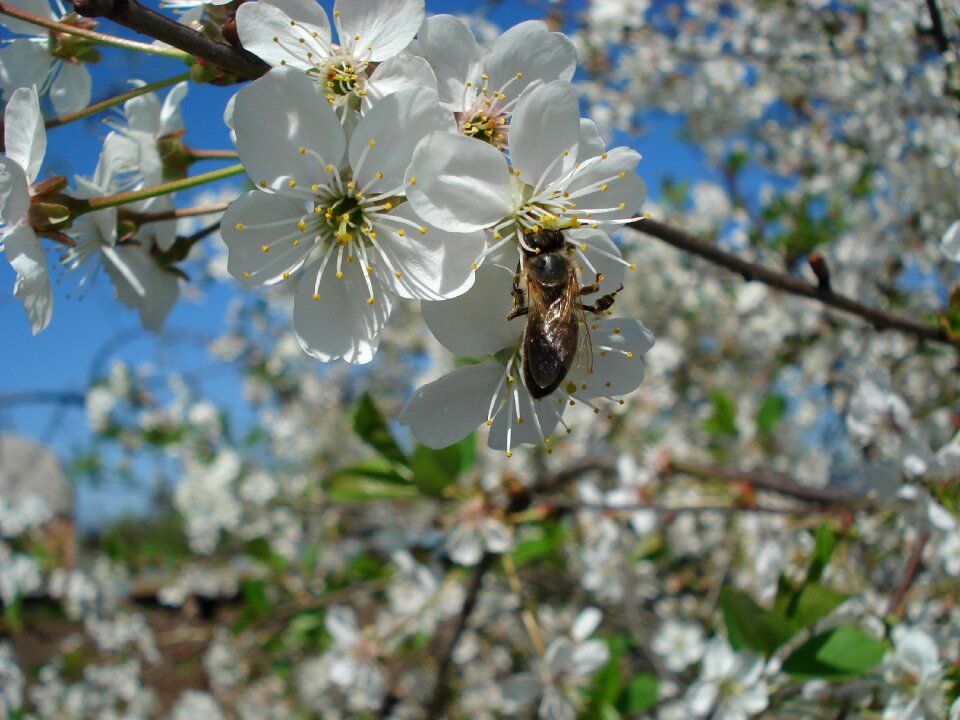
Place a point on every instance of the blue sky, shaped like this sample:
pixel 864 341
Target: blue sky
pixel 89 327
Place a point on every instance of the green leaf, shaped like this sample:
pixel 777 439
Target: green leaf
pixel 640 694
pixel 354 488
pixel 825 541
pixel 843 652
pixel 749 625
pixel 605 687
pixel 547 544
pixel 723 421
pixel 802 608
pixel 771 409
pixel 369 424
pixel 950 319
pixel 434 470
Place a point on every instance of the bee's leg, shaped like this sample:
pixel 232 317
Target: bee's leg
pixel 519 299
pixel 603 303
pixel 593 287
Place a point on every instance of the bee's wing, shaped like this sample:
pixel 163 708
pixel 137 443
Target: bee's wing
pixel 551 340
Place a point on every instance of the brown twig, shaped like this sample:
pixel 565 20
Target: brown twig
pixel 441 690
pixel 936 20
pixel 910 571
pixel 752 271
pixel 131 14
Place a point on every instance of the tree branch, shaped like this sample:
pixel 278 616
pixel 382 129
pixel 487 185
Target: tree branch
pixel 441 689
pixel 131 14
pixel 936 20
pixel 880 319
pixel 909 574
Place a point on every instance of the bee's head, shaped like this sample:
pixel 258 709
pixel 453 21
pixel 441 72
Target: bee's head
pixel 545 240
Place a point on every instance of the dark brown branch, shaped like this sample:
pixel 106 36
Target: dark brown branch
pixel 441 690
pixel 936 20
pixel 770 482
pixel 135 16
pixel 909 574
pixel 751 271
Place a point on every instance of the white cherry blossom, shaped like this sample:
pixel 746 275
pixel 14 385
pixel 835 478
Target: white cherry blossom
pixel 492 392
pixel 26 142
pixel 915 674
pixel 28 61
pixel 482 87
pixel 366 65
pixel 336 209
pixel 730 686
pixel 463 185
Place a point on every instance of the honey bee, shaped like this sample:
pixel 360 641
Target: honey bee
pixel 546 290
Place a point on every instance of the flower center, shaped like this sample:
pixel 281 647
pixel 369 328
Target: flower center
pixel 342 77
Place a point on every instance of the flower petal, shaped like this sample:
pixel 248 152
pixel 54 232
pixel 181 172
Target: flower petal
pixel 585 623
pixel 444 411
pixel 482 310
pixel 171 114
pixel 278 116
pixel 544 133
pixel 458 184
pixel 71 88
pixel 341 623
pixel 585 187
pixel 384 27
pixel 22 27
pixel 24 135
pixel 384 140
pixel 548 412
pixel 598 248
pixel 141 283
pixel 23 63
pixel 950 242
pixel 32 285
pixel 265 29
pixel 340 322
pixel 591 144
pixel 528 48
pixel 454 54
pixel 14 192
pixel 257 220
pixel 395 74
pixel 433 265
pixel 614 371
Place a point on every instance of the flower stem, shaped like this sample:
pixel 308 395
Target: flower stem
pixel 114 101
pixel 99 203
pixel 213 154
pixel 143 218
pixel 92 36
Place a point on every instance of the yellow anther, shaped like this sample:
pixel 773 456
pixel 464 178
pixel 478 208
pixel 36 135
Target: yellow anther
pixel 302 226
pixel 621 174
pixel 264 248
pixel 295 242
pixel 413 181
pixel 603 188
pixel 583 247
pixel 566 152
pixel 372 143
pixel 247 275
pixel 519 421
pixel 388 206
pixel 621 206
pixel 398 274
pixel 239 227
pixel 339 275
pixel 616 331
pixel 520 76
pixel 603 156
pixel 423 230
pixel 509 453
pixel 496 235
pixel 370 301
pixel 351 185
pixel 368 269
pixel 349 258
pixel 328 168
pixel 596 411
pixel 631 266
pixel 336 13
pixel 489 422
pixel 629 354
pixel 356 37
pixel 473 266
pixel 292 183
pixel 316 296
pixel 263 183
pixel 378 175
pixel 286 275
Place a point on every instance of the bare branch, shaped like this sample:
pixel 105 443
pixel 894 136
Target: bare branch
pixel 751 271
pixel 131 14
